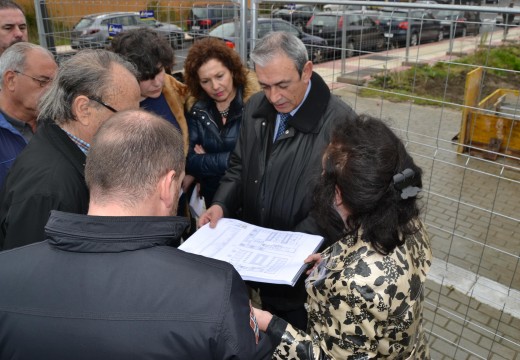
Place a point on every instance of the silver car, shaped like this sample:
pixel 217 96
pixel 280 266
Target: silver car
pixel 92 31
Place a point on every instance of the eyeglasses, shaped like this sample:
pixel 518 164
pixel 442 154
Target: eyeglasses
pixel 100 102
pixel 41 82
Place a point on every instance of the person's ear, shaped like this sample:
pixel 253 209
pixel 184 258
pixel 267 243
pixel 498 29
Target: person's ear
pixel 307 72
pixel 9 80
pixel 337 196
pixel 168 189
pixel 81 108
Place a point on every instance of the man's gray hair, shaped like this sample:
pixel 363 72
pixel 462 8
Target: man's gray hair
pixel 87 73
pixel 8 4
pixel 13 58
pixel 130 152
pixel 280 42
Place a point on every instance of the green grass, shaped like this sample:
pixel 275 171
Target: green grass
pixel 445 81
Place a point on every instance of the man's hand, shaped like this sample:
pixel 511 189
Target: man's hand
pixel 211 216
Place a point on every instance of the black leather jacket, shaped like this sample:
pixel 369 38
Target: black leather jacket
pixel 218 142
pixel 111 288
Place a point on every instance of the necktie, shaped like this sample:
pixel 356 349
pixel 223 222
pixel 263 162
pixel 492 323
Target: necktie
pixel 283 124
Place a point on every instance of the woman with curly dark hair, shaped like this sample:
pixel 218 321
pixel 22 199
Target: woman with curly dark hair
pixel 219 86
pixel 153 57
pixel 365 291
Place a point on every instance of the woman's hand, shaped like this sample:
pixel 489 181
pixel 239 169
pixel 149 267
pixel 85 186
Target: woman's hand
pixel 313 260
pixel 199 149
pixel 263 318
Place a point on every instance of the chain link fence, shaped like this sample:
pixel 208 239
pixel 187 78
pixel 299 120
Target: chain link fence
pixel 445 76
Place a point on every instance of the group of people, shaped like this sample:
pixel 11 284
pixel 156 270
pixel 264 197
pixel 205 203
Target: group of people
pixel 102 149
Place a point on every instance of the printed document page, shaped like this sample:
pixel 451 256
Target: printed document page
pixel 257 253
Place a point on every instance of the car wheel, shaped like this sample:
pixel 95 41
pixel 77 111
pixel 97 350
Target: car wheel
pixel 414 39
pixel 176 41
pixel 350 49
pixel 380 44
pixel 316 55
pixel 300 24
pixel 440 36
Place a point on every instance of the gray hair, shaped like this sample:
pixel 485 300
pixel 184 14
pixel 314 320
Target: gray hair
pixel 87 73
pixel 280 42
pixel 130 152
pixel 8 4
pixel 13 58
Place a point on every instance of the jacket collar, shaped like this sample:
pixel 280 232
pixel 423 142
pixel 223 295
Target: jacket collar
pixel 306 118
pixel 62 143
pixel 7 125
pixel 95 234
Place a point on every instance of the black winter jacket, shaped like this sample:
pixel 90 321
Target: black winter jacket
pixel 218 142
pixel 110 288
pixel 47 175
pixel 273 182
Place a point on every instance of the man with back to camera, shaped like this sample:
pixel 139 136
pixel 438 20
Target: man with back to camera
pixel 275 164
pixel 106 285
pixel 26 71
pixel 49 173
pixel 13 25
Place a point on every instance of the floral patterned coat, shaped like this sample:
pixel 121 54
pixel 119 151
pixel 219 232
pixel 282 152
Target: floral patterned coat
pixel 362 304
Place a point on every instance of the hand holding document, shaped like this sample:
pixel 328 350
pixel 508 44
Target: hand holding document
pixel 257 253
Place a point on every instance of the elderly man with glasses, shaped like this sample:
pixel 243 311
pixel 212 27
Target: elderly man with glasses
pixel 26 70
pixel 49 173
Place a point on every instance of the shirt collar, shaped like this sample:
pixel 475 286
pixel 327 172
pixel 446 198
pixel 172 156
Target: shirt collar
pixel 82 145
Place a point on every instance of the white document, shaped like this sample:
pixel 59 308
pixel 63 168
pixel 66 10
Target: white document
pixel 257 253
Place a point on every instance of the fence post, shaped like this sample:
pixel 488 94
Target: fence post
pixel 44 24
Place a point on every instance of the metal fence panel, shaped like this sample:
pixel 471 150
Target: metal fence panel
pixel 462 129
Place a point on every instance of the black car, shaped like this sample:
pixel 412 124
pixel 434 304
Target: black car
pixel 229 32
pixel 296 14
pixel 461 23
pixel 362 33
pixel 203 17
pixel 423 26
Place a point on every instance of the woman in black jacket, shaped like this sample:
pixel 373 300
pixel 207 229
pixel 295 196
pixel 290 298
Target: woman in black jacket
pixel 220 85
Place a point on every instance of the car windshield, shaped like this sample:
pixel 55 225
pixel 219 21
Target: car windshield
pixel 225 30
pixel 399 15
pixel 200 13
pixel 445 13
pixel 324 20
pixel 84 23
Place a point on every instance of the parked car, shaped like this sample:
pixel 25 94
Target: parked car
pixel 229 32
pixel 361 32
pixel 460 22
pixel 515 20
pixel 423 26
pixel 296 14
pixel 203 17
pixel 342 7
pixel 92 31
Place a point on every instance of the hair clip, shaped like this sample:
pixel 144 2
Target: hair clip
pixel 403 181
